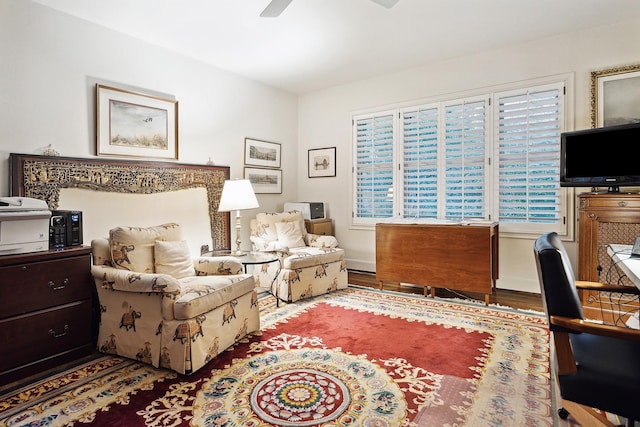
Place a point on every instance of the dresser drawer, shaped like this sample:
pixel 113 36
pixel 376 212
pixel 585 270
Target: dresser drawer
pixel 39 285
pixel 610 202
pixel 44 334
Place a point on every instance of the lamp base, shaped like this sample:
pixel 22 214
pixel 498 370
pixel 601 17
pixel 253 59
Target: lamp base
pixel 238 253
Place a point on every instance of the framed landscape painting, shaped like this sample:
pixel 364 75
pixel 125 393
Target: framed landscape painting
pixel 261 153
pixel 264 181
pixel 615 96
pixel 132 124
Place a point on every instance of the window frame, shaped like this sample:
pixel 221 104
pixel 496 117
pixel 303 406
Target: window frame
pixel 371 221
pixel 564 227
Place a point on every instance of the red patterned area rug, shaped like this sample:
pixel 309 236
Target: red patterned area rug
pixel 355 357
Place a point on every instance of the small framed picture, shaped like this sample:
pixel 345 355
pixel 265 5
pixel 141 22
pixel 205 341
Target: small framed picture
pixel 322 162
pixel 261 153
pixel 132 124
pixel 614 96
pixel 264 181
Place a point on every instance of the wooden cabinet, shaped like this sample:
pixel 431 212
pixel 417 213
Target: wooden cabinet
pixel 46 311
pixel 323 227
pixel 604 218
pixel 454 256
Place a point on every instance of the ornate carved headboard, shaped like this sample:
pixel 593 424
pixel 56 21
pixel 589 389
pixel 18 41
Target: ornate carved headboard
pixel 43 177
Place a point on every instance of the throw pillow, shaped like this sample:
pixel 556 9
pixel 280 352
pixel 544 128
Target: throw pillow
pixel 132 247
pixel 173 258
pixel 289 234
pixel 266 223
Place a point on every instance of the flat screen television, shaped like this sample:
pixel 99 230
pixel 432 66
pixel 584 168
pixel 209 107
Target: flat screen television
pixel 601 157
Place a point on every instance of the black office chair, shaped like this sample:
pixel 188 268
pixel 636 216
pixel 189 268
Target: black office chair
pixel 598 365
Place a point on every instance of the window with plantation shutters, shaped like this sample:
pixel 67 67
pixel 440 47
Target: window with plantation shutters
pixel 420 162
pixel 494 156
pixel 529 123
pixel 374 166
pixel 465 143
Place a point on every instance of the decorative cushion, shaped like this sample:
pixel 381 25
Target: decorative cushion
pixel 201 294
pixel 173 258
pixel 265 223
pixel 289 234
pixel 132 247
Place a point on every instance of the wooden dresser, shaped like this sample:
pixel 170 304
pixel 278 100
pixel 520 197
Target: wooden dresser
pixel 604 218
pixel 45 310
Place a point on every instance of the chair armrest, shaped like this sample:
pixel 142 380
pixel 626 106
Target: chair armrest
pixel 582 326
pixel 217 265
pixel 129 281
pixel 606 287
pixel 321 241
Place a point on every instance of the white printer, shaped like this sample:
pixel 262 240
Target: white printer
pixel 24 225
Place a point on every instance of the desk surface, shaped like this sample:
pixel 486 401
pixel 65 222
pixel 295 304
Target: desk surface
pixel 621 256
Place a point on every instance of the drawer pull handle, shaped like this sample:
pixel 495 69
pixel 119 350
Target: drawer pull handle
pixel 622 204
pixel 55 287
pixel 61 334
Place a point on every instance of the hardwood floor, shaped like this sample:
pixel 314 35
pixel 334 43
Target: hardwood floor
pixel 514 299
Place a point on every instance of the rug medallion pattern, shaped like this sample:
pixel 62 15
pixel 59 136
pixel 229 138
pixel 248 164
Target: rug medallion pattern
pixel 350 358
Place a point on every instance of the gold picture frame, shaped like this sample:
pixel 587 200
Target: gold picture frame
pixel 133 124
pixel 614 96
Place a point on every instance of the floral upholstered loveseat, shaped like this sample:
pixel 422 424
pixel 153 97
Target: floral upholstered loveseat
pixel 162 307
pixel 310 264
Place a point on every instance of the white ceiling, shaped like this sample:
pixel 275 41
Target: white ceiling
pixel 315 44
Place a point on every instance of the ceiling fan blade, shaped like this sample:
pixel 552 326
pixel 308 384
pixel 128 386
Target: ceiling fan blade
pixel 386 3
pixel 275 8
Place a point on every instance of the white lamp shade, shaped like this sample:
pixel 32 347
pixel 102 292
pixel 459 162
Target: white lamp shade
pixel 237 195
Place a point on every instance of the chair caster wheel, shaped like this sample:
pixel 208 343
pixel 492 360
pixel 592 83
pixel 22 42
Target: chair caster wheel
pixel 563 413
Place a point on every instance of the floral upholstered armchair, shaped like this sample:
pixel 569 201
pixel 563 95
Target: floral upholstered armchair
pixel 310 264
pixel 162 307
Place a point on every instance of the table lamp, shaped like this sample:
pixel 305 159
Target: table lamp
pixel 237 195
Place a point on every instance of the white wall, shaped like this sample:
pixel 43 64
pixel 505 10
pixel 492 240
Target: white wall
pixel 324 120
pixel 50 63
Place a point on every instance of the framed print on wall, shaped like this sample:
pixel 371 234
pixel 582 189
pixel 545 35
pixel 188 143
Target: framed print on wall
pixel 132 124
pixel 264 181
pixel 615 96
pixel 322 162
pixel 261 153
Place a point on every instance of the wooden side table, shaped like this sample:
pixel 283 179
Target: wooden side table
pixel 323 227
